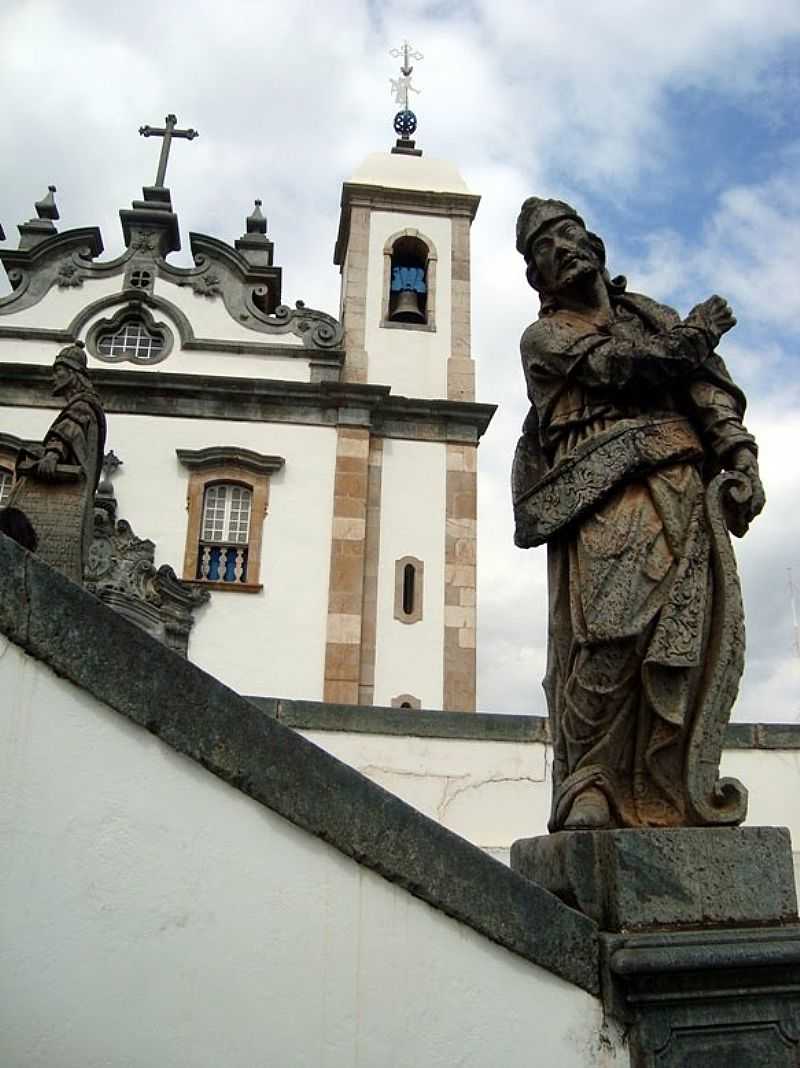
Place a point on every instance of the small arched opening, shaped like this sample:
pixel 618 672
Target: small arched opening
pixel 408 281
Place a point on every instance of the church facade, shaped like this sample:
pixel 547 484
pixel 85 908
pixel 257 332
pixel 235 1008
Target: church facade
pixel 291 499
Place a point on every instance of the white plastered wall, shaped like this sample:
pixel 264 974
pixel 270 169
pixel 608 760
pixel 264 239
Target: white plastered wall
pixel 412 362
pixel 198 362
pixel 494 792
pixel 490 793
pixel 409 656
pixel 58 307
pixel 268 642
pixel 152 915
pixel 208 317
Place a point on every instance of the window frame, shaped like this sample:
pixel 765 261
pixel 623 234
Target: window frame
pixel 400 589
pixel 228 465
pixel 430 281
pixel 129 312
pixel 225 541
pixel 5 471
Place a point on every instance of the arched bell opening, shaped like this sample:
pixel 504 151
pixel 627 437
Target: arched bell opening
pixel 408 281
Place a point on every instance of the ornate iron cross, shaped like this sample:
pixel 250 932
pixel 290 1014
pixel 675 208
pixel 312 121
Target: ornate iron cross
pixel 168 131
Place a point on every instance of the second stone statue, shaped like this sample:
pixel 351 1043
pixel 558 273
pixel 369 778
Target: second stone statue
pixel 633 466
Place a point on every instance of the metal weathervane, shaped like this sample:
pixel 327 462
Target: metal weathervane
pixel 405 121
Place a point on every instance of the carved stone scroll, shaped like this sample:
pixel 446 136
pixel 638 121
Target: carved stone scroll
pixel 122 573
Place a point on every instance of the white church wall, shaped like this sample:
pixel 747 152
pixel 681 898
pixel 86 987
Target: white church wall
pixel 58 307
pixel 493 792
pixel 197 362
pixel 268 642
pixel 210 319
pixel 31 350
pixel 772 777
pixel 153 915
pixel 409 656
pixel 412 362
pixel 488 792
pixel 193 362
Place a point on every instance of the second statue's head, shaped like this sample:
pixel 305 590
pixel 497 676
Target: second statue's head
pixel 558 249
pixel 69 369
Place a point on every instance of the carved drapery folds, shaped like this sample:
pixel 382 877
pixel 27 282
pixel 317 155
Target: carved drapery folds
pixel 633 414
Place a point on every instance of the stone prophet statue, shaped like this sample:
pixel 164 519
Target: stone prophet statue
pixel 55 482
pixel 633 466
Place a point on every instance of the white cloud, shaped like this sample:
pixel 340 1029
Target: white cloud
pixel 559 98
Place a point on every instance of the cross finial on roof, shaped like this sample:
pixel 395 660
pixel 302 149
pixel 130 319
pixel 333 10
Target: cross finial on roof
pixel 168 131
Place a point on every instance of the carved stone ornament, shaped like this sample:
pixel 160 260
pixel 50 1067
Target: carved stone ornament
pixel 244 277
pixel 206 285
pixel 61 259
pixel 634 467
pixel 249 290
pixel 122 573
pixel 144 241
pixel 69 276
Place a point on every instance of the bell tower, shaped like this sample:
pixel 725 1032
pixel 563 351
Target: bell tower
pixel 403 252
pixel 409 587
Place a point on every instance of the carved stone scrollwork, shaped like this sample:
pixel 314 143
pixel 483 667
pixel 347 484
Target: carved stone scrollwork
pixel 317 329
pixel 122 573
pixel 249 291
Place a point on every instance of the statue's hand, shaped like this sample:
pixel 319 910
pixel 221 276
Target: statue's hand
pixel 714 316
pixel 749 504
pixel 46 467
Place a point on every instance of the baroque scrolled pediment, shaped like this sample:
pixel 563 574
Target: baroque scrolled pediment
pixel 250 293
pixel 64 260
pixel 243 281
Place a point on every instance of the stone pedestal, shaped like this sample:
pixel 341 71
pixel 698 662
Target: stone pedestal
pixel 685 877
pixel 700 935
pixel 57 509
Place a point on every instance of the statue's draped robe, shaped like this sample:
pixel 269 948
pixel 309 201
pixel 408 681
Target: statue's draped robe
pixel 632 598
pixel 62 509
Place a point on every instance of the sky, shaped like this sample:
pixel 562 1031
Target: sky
pixel 671 126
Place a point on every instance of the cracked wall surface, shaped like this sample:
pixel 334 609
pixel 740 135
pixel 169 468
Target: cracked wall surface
pixel 493 792
pixel 488 792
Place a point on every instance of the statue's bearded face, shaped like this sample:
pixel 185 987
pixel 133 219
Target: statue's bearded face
pixel 62 376
pixel 563 254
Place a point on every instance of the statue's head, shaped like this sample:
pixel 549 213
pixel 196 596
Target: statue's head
pixel 69 369
pixel 557 247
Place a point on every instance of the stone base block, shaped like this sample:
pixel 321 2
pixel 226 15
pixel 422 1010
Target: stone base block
pixel 682 877
pixel 717 999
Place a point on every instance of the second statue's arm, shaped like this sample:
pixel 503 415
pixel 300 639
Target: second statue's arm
pixel 616 362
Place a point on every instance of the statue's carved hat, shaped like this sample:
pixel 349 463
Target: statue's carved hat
pixel 536 213
pixel 73 356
